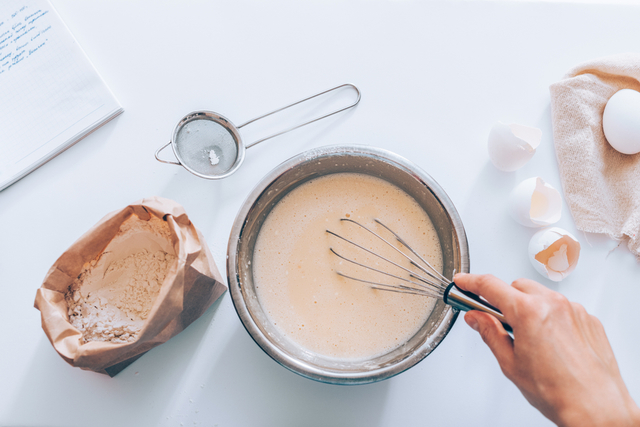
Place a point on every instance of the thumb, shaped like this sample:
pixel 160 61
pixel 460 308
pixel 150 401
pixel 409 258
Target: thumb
pixel 493 335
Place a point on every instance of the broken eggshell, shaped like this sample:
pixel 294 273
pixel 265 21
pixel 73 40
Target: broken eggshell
pixel 534 203
pixel 512 145
pixel 554 253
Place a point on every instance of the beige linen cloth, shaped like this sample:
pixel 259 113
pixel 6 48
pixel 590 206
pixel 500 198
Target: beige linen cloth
pixel 601 185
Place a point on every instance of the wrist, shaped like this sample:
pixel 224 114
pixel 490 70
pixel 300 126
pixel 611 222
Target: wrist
pixel 619 411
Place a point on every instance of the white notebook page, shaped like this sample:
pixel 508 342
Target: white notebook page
pixel 50 94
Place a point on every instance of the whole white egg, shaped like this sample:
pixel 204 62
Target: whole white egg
pixel 621 121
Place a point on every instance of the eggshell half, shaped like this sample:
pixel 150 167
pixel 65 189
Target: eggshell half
pixel 554 253
pixel 511 146
pixel 534 203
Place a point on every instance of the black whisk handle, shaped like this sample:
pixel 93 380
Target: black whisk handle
pixel 465 301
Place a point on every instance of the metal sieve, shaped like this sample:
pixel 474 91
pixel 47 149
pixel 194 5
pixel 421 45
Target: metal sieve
pixel 209 145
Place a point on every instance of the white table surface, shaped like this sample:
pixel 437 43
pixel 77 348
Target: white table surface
pixel 434 76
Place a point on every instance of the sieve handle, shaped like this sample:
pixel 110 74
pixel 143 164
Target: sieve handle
pixel 302 124
pixel 465 301
pixel 165 161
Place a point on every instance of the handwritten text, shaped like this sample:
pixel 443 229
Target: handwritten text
pixel 22 34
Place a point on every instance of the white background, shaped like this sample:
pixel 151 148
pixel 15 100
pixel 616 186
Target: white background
pixel 434 76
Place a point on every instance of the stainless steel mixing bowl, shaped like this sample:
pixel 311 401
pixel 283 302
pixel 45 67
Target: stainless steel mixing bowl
pixel 312 164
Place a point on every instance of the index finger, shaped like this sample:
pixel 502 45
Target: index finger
pixel 494 290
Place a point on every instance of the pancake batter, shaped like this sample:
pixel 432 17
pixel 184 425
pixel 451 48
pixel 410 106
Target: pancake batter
pixel 295 273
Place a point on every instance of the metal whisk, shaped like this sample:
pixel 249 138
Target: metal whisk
pixel 423 280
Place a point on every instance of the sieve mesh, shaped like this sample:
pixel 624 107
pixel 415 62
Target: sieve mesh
pixel 197 138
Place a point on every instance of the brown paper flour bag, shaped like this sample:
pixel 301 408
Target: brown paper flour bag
pixel 133 281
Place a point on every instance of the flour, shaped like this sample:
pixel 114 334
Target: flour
pixel 213 158
pixel 114 294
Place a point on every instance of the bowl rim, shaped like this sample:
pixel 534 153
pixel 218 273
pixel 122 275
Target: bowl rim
pixel 300 366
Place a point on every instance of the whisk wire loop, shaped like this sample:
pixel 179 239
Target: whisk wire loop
pixel 372 253
pixel 437 285
pixel 411 260
pixel 401 240
pixel 393 288
pixel 431 285
pixel 434 289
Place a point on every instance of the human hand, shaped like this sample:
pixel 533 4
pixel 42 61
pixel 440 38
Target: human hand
pixel 559 358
